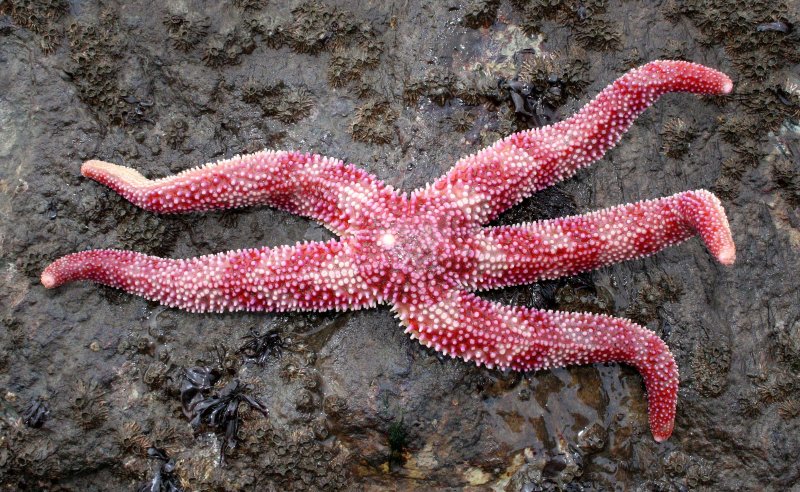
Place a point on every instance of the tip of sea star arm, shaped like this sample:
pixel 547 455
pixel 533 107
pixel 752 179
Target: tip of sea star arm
pixel 57 273
pixel 661 426
pixel 706 215
pixel 112 174
pixel 686 76
pixel 49 280
pixel 727 86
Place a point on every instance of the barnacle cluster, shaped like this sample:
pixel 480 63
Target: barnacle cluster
pixel 584 298
pixel 146 232
pixel 770 103
pixel 131 438
pixel 541 84
pixel 316 27
pixel 560 469
pixel 186 30
pixel 96 51
pixel 654 293
pixel 593 30
pixel 762 107
pixel 731 171
pixel 274 32
pixel 175 132
pixel 710 365
pixel 761 43
pixel 758 39
pixel 554 79
pixel 437 84
pixel 786 174
pixel 287 104
pixel 776 387
pixel 373 121
pixel 674 49
pixel 440 85
pixel 349 62
pixel 250 4
pixel 300 460
pixel 40 16
pixel 298 366
pixel 226 48
pixel 155 375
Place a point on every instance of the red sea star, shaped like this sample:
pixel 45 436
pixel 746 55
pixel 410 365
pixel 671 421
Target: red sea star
pixel 424 252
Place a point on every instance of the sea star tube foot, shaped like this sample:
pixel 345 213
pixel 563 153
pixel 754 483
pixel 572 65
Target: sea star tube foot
pixel 425 251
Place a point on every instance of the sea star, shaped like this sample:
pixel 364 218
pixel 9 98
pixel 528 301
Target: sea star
pixel 425 251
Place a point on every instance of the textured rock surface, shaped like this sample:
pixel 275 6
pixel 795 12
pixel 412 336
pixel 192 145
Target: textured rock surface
pixel 352 400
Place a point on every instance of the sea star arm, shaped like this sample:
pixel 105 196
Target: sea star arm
pixel 319 187
pixel 565 246
pixel 310 276
pixel 497 177
pixel 467 326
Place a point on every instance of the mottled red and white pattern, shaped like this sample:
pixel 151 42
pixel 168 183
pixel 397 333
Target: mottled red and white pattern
pixel 424 252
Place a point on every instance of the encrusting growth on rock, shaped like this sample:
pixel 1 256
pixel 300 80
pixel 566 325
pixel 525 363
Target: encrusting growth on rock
pixel 425 251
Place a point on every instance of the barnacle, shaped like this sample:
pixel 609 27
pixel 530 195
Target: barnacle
pixel 676 137
pixel 789 409
pixel 155 375
pixel 584 298
pixel 651 297
pixel 227 48
pixel 176 132
pixel 252 91
pixel 304 402
pixel 786 174
pixel 131 438
pixel 461 120
pixel 88 404
pixel 348 64
pixel 475 88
